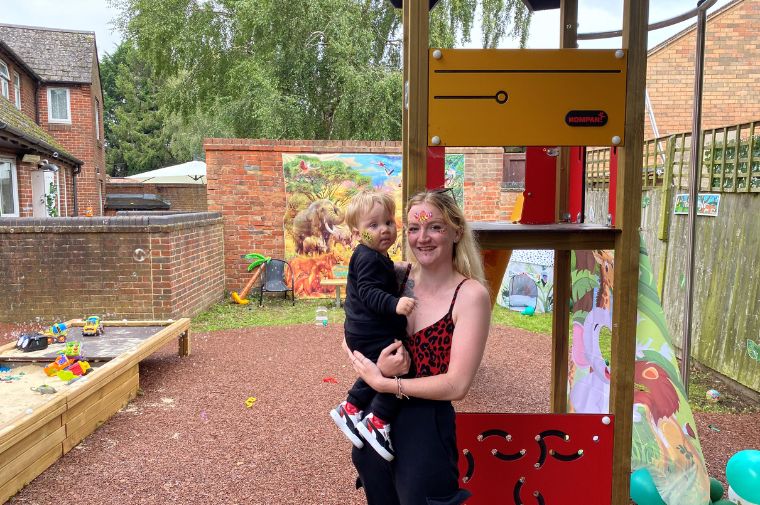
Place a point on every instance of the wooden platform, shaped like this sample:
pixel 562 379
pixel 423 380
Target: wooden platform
pixel 32 442
pixel 492 236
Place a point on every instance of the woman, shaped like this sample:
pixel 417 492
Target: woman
pixel 448 331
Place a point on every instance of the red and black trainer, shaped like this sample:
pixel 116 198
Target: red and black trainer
pixel 347 417
pixel 378 434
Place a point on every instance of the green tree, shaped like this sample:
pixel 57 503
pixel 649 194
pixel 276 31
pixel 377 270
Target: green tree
pixel 136 137
pixel 316 69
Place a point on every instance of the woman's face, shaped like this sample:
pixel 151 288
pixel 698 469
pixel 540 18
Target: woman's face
pixel 430 237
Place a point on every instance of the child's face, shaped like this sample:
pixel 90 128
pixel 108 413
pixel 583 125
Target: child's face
pixel 377 229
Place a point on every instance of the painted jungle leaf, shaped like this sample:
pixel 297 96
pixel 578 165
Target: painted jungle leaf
pixel 582 282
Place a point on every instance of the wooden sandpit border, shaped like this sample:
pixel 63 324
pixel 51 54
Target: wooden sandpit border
pixel 33 442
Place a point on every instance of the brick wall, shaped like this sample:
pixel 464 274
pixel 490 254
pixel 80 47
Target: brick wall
pixel 183 197
pixel 246 185
pixel 731 77
pixel 135 267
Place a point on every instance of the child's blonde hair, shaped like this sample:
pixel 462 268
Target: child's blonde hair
pixel 363 202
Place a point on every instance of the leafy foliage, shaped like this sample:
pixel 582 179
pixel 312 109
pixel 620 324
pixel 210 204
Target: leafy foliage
pixel 322 69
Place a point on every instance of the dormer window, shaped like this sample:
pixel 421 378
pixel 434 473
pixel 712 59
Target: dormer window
pixel 5 79
pixel 59 105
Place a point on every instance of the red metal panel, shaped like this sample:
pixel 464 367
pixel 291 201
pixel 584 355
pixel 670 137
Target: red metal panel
pixel 436 164
pixel 575 198
pixel 540 185
pixel 613 184
pixel 551 459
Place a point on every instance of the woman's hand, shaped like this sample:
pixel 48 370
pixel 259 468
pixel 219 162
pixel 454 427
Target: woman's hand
pixel 369 372
pixel 394 360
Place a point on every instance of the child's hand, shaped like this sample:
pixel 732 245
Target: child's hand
pixel 405 305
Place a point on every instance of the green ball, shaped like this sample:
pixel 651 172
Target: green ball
pixel 643 490
pixel 743 474
pixel 716 489
pixel 528 311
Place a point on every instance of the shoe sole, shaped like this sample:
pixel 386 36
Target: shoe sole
pixel 372 440
pixel 341 424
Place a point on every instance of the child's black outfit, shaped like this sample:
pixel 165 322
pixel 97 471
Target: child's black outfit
pixel 371 322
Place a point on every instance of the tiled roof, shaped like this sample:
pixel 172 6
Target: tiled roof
pixel 20 123
pixel 55 55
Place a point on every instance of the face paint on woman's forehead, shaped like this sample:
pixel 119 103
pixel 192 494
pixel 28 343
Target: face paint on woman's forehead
pixel 422 215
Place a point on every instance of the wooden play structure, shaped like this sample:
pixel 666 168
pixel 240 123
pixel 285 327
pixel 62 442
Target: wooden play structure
pixel 48 426
pixel 565 97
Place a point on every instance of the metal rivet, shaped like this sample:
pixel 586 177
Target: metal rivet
pixel 465 452
pixel 615 140
pixel 535 493
pixel 606 420
pixel 580 452
pixel 595 438
pixel 522 479
pixel 523 451
pixel 436 140
pixel 538 437
pixel 567 437
pixel 619 54
pixel 465 479
pixel 480 438
pixel 509 438
pixel 494 451
pixel 537 465
pixel 437 54
pixel 551 451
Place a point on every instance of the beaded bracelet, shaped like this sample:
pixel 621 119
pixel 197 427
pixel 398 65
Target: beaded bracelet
pixel 400 391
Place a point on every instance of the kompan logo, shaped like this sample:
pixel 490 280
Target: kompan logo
pixel 586 118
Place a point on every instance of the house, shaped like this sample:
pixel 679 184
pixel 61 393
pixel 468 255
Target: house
pixel 731 89
pixel 52 155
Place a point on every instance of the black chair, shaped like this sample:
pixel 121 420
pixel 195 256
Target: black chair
pixel 274 280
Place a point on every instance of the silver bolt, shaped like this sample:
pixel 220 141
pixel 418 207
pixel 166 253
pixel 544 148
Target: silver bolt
pixel 606 420
pixel 619 54
pixel 437 54
pixel 615 140
pixel 436 140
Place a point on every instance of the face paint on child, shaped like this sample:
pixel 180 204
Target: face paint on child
pixel 367 238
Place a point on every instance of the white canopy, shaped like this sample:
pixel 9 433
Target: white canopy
pixel 192 172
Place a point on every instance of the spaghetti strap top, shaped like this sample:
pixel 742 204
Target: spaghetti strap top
pixel 430 347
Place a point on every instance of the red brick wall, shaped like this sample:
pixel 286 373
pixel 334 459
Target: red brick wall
pixel 79 140
pixel 245 184
pixel 56 269
pixel 731 78
pixel 27 85
pixel 183 197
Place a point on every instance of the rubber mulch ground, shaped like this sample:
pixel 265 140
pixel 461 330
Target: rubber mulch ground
pixel 189 437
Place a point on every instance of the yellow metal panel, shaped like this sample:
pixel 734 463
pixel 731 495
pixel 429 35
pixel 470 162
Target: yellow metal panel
pixel 526 97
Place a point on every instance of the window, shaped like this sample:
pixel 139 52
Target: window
pixel 59 106
pixel 513 172
pixel 17 90
pixel 5 79
pixel 97 119
pixel 8 189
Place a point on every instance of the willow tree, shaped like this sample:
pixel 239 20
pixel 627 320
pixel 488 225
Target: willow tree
pixel 311 69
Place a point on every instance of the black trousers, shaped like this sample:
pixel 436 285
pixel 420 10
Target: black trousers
pixel 383 405
pixel 424 471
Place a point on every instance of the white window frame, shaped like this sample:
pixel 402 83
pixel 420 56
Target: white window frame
pixel 97 119
pixel 17 89
pixel 51 119
pixel 14 181
pixel 5 80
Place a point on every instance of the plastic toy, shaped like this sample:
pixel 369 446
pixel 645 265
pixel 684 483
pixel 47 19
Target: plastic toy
pixel 57 333
pixel 93 327
pixel 73 349
pixel 716 489
pixel 65 375
pixel 60 363
pixel 259 260
pixel 743 476
pixel 713 395
pixel 29 342
pixel 44 389
pixel 79 368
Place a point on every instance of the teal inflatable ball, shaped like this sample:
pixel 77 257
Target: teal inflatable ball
pixel 743 474
pixel 643 490
pixel 716 489
pixel 528 311
pixel 723 502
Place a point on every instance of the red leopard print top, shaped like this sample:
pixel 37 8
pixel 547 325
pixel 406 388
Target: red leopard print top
pixel 430 348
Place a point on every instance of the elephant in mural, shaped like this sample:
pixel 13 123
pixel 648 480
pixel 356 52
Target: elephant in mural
pixel 591 394
pixel 313 226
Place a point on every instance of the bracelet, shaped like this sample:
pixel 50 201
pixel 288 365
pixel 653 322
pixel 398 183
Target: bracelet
pixel 399 390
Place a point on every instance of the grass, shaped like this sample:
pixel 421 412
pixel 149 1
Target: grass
pixel 277 312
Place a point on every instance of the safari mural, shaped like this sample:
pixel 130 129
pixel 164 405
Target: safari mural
pixel 318 244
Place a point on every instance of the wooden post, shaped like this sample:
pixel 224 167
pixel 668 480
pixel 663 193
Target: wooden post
pixel 628 219
pixel 416 23
pixel 561 312
pixel 184 343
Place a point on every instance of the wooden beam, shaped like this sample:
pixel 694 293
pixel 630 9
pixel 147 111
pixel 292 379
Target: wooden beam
pixel 561 313
pixel 628 219
pixel 416 23
pixel 543 236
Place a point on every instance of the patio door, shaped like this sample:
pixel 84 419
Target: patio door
pixel 42 183
pixel 8 189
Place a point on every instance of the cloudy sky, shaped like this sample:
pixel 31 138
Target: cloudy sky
pixel 594 15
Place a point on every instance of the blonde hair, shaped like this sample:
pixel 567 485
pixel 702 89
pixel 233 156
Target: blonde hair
pixel 466 260
pixel 362 203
